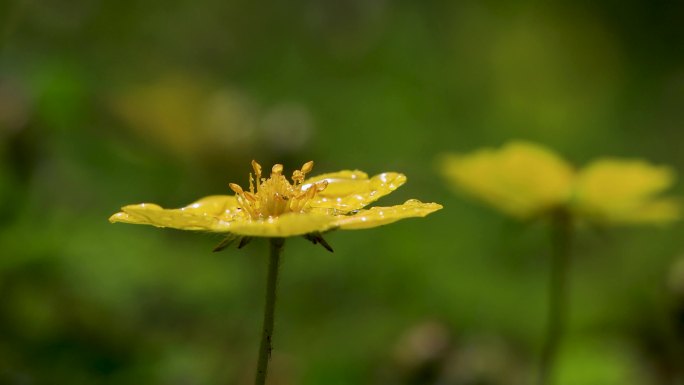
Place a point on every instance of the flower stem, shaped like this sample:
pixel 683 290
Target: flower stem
pixel 562 229
pixel 276 248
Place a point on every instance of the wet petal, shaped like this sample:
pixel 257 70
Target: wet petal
pixel 286 225
pixel 352 190
pixel 521 179
pixel 625 191
pixel 212 213
pixel 378 216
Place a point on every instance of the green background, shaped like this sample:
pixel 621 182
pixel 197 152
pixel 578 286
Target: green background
pixel 105 103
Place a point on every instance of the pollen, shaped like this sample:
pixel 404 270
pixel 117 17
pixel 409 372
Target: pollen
pixel 276 195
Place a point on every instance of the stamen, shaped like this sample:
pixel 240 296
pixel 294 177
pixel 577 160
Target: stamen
pixel 293 204
pixel 274 196
pixel 307 167
pixel 249 208
pixel 280 204
pixel 257 169
pixel 311 191
pixel 250 196
pixel 236 188
pixel 297 177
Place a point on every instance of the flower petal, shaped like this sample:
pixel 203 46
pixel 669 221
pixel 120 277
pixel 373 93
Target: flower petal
pixel 659 211
pixel 624 191
pixel 212 213
pixel 351 190
pixel 286 225
pixel 378 216
pixel 521 179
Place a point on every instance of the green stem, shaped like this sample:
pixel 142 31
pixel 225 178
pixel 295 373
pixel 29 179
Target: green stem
pixel 276 247
pixel 562 229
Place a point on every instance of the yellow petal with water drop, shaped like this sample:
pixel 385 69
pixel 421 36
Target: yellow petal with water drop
pixel 212 213
pixel 351 190
pixel 625 191
pixel 278 208
pixel 378 216
pixel 286 225
pixel 521 179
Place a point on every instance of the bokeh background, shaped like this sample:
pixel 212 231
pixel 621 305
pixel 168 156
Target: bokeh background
pixel 105 103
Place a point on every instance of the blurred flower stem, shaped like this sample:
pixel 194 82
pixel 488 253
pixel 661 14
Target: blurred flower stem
pixel 562 229
pixel 276 248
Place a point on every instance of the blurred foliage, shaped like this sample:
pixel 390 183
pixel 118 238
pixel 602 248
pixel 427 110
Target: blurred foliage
pixel 104 103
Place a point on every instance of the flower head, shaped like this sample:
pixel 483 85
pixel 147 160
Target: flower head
pixel 625 191
pixel 521 179
pixel 526 180
pixel 278 207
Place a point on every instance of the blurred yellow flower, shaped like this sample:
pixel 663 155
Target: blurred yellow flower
pixel 274 207
pixel 521 179
pixel 625 191
pixel 525 180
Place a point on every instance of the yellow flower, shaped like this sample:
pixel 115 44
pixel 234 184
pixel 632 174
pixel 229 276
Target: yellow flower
pixel 276 207
pixel 521 179
pixel 526 180
pixel 625 191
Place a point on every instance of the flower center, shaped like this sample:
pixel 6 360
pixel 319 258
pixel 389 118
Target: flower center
pixel 274 196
